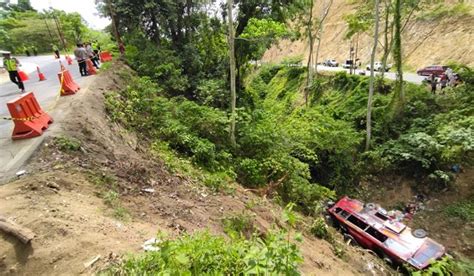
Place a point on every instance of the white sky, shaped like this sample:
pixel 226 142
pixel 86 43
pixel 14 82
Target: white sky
pixel 84 7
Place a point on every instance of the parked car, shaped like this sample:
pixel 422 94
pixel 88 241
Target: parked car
pixel 436 70
pixel 331 63
pixel 348 63
pixel 370 226
pixel 378 66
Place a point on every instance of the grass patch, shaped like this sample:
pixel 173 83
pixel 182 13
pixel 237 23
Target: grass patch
pixel 239 225
pixel 67 143
pixel 463 210
pixel 206 254
pixel 216 181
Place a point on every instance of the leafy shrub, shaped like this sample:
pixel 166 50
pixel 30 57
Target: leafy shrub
pixel 204 254
pixel 239 225
pixel 319 228
pixel 443 267
pixel 68 143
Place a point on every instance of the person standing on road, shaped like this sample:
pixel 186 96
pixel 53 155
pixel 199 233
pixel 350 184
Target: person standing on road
pixel 433 83
pixel 11 64
pixel 91 55
pixel 55 50
pixel 81 56
pixel 443 81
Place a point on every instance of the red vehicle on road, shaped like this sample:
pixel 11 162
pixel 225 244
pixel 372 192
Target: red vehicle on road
pixel 370 226
pixel 436 70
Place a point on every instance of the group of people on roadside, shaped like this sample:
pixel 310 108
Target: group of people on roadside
pixel 444 80
pixel 84 52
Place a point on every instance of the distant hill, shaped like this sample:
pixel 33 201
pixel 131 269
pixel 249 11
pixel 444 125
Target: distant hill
pixel 439 35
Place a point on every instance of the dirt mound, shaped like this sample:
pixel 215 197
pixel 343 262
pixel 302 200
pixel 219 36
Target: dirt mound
pixel 93 190
pixel 425 42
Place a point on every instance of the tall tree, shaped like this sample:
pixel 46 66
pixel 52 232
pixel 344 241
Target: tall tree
pixel 397 55
pixel 372 77
pixel 310 68
pixel 319 36
pixel 233 97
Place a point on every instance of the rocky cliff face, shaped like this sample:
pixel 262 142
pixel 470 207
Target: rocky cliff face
pixel 435 35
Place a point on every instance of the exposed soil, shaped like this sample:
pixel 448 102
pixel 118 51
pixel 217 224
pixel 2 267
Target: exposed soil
pixel 61 199
pixel 425 42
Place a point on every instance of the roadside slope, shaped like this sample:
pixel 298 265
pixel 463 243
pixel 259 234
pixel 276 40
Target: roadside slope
pixel 84 197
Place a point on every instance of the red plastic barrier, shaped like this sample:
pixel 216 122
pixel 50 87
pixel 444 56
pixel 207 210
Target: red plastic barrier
pixel 90 67
pixel 68 86
pixel 30 120
pixel 105 56
pixel 23 75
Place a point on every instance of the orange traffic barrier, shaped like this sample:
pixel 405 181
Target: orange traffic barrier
pixel 23 75
pixel 69 60
pixel 68 86
pixel 29 119
pixel 90 67
pixel 105 56
pixel 40 75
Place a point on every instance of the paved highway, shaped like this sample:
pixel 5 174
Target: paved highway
pixel 409 77
pixel 45 91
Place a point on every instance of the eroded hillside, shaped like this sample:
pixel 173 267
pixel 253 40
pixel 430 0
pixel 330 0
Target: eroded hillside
pixel 430 37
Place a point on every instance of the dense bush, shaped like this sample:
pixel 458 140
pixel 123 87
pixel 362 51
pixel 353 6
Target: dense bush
pixel 204 254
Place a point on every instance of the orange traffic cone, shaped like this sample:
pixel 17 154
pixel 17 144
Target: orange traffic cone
pixel 40 75
pixel 90 67
pixel 23 75
pixel 69 60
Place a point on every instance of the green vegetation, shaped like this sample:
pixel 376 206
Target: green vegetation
pixel 179 104
pixel 463 210
pixel 67 143
pixel 205 254
pixel 24 29
pixel 441 10
pixel 445 267
pixel 239 225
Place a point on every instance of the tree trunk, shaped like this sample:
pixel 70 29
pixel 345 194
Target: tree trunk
pixel 387 47
pixel 372 77
pixel 114 23
pixel 231 39
pixel 320 34
pixel 397 54
pixel 23 234
pixel 309 79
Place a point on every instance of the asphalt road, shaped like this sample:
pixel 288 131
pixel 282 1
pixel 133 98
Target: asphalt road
pixel 45 91
pixel 409 77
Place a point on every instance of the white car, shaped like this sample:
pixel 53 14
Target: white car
pixel 378 66
pixel 331 63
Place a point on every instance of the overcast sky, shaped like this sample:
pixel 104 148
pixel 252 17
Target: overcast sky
pixel 85 7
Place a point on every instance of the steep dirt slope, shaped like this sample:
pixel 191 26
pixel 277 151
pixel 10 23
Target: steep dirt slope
pixel 66 200
pixel 425 42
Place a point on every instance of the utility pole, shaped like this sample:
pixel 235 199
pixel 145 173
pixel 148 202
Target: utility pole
pixel 47 27
pixel 61 36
